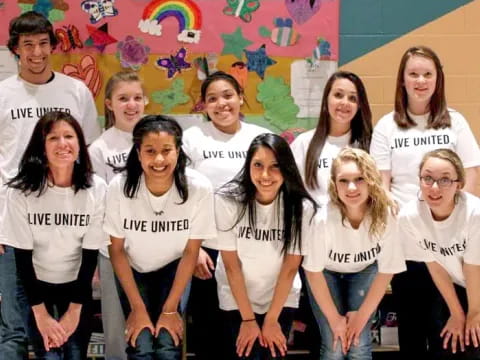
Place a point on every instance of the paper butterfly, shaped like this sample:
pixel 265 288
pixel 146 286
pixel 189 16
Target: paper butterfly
pixel 69 38
pixel 175 63
pixel 98 9
pixel 241 8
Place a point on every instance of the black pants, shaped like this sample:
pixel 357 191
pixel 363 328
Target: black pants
pixel 207 340
pixel 233 320
pixel 412 292
pixel 439 317
pixel 422 314
pixel 57 301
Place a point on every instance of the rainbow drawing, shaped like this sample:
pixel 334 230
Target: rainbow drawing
pixel 186 12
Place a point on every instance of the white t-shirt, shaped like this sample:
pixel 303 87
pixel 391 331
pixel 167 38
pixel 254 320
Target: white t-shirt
pixel 23 103
pixel 401 151
pixel 110 150
pixel 332 147
pixel 157 229
pixel 350 250
pixel 217 155
pixel 259 251
pixel 56 226
pixel 451 242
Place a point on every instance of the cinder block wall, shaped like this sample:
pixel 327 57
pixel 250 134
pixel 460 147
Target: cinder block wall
pixel 455 36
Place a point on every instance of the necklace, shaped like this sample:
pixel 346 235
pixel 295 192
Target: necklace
pixel 160 201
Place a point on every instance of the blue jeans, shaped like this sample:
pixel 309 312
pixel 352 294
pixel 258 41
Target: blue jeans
pixel 233 320
pixel 14 310
pixel 56 301
pixel 154 288
pixel 348 291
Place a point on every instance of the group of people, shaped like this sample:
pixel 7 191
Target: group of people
pixel 230 218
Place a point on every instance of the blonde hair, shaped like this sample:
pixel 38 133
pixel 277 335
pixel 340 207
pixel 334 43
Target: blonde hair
pixel 379 203
pixel 122 76
pixel 451 157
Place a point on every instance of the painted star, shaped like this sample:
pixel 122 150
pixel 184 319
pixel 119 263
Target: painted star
pixel 171 97
pixel 235 43
pixel 258 61
pixel 99 37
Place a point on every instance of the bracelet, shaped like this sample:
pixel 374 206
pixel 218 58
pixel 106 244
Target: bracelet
pixel 247 320
pixel 169 312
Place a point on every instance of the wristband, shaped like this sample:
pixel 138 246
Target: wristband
pixel 247 320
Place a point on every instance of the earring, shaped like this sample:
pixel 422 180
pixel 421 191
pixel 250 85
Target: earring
pixel 419 195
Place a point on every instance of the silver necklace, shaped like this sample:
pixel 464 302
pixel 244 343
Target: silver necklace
pixel 159 212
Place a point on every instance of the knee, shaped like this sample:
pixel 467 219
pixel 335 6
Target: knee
pixel 327 352
pixel 143 345
pixel 362 351
pixel 166 348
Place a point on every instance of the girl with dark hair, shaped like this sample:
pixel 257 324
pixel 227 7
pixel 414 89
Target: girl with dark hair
pixel 124 105
pixel 157 214
pixel 359 235
pixel 345 120
pixel 54 222
pixel 420 122
pixel 442 229
pixel 217 148
pixel 265 220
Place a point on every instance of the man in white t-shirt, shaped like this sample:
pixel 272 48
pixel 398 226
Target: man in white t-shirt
pixel 25 97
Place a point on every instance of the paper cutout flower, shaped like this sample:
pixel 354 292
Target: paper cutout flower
pixel 171 97
pixel 132 53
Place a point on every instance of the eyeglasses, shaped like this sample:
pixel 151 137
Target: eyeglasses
pixel 443 182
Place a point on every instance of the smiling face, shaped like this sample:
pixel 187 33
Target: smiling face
pixel 440 199
pixel 342 105
pixel 61 146
pixel 265 175
pixel 127 103
pixel 34 56
pixel 222 104
pixel 352 188
pixel 420 78
pixel 158 156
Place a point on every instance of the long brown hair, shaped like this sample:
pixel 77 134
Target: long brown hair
pixel 361 126
pixel 439 115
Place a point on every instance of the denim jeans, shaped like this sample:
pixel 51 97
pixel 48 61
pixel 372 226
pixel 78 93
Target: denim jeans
pixel 154 288
pixel 233 320
pixel 56 301
pixel 14 310
pixel 348 291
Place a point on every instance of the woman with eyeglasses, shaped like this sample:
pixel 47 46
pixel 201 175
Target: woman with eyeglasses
pixel 421 122
pixel 442 229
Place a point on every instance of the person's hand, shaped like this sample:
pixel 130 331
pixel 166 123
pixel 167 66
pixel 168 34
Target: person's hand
pixel 53 334
pixel 355 325
pixel 173 323
pixel 339 332
pixel 204 268
pixel 2 250
pixel 249 332
pixel 70 320
pixel 453 332
pixel 137 320
pixel 472 328
pixel 273 337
